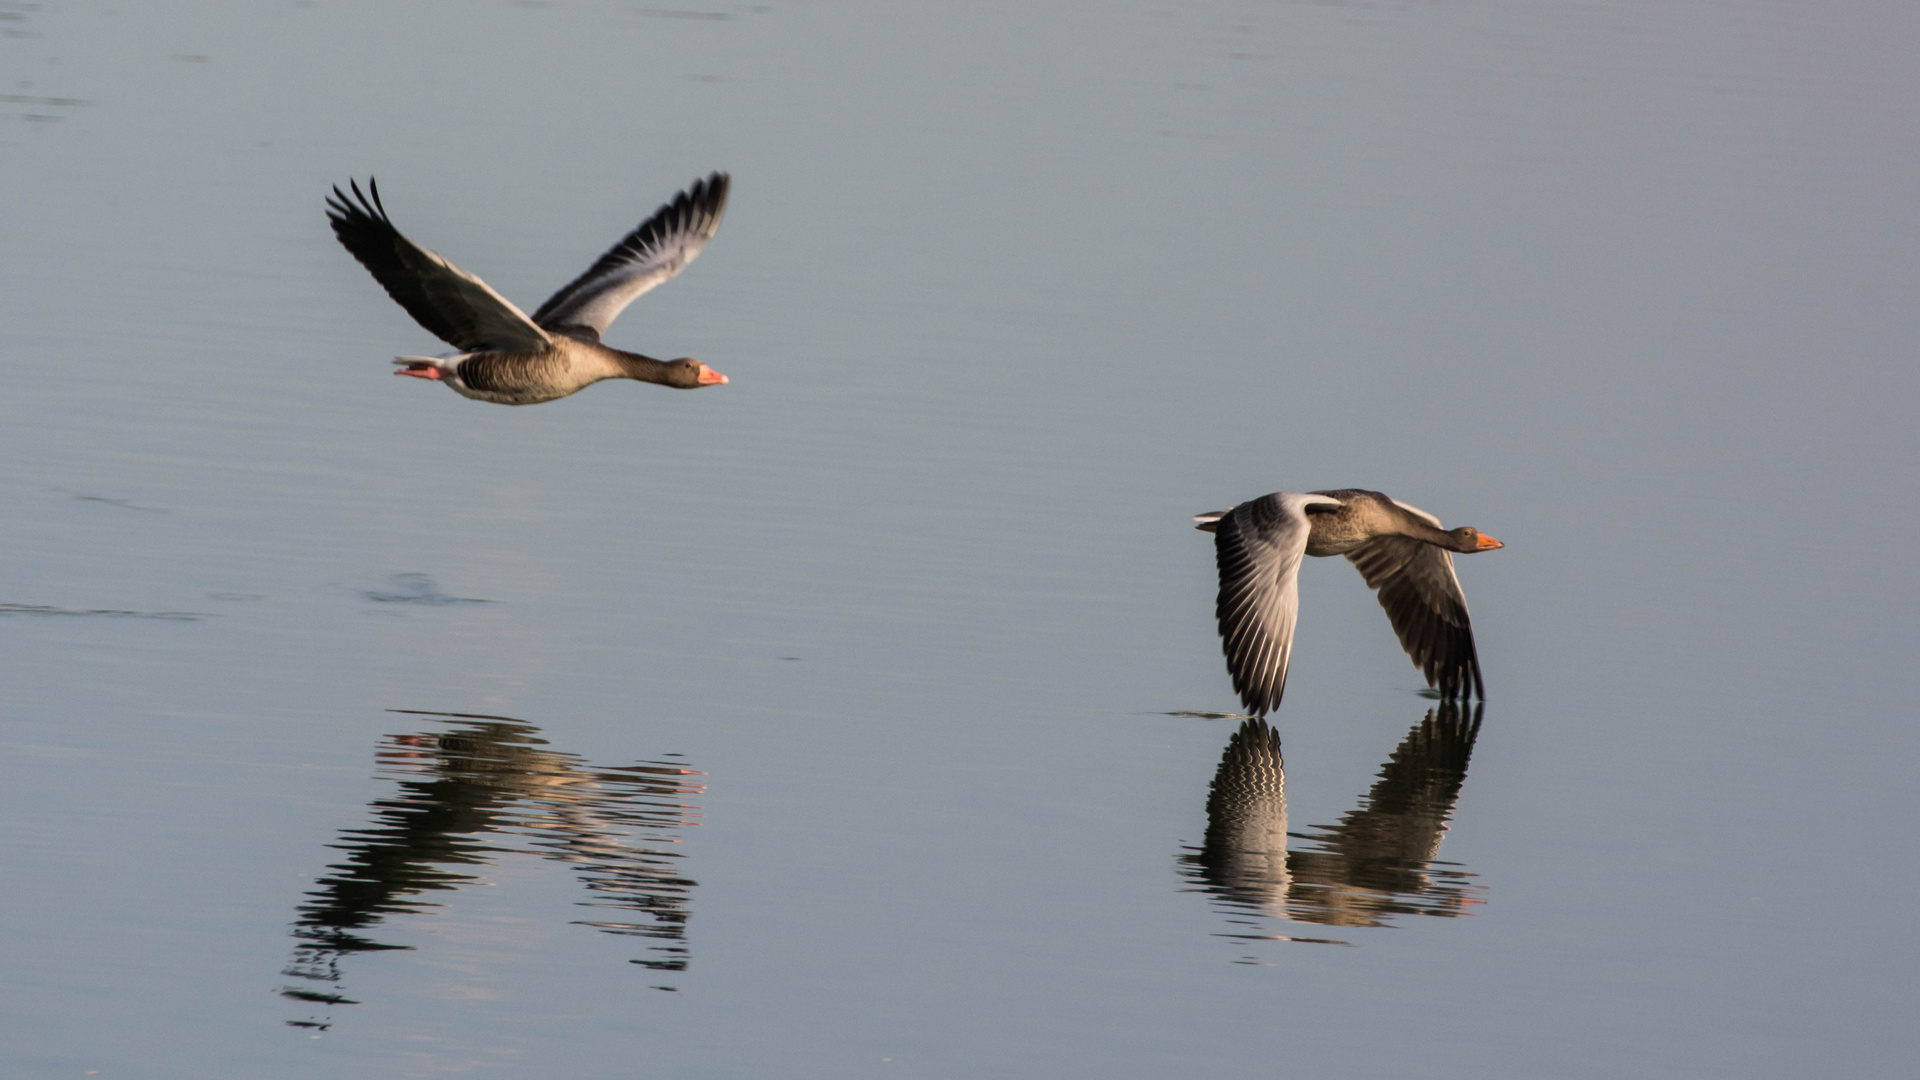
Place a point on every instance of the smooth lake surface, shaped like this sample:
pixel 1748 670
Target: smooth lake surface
pixel 851 719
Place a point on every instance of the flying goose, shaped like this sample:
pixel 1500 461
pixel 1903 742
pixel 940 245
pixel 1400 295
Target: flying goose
pixel 506 357
pixel 1402 552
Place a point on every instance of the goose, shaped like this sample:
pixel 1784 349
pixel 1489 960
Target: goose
pixel 1400 550
pixel 506 357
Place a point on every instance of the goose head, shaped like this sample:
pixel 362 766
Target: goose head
pixel 1468 538
pixel 687 373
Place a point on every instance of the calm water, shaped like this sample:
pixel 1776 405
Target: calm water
pixel 864 717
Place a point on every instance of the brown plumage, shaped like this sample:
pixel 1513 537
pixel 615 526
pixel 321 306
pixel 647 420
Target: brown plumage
pixel 506 357
pixel 1400 550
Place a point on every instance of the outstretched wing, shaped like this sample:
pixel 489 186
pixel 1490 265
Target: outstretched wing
pixel 1423 600
pixel 1259 545
pixel 453 305
pixel 661 247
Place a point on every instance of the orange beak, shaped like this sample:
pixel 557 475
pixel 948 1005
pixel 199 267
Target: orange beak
pixel 1488 543
pixel 710 377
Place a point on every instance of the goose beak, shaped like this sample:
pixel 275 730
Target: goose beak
pixel 710 377
pixel 420 371
pixel 1488 543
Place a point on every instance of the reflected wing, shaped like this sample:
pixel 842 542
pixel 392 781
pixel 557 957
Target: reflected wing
pixel 1247 804
pixel 1379 861
pixel 1259 545
pixel 1405 814
pixel 1244 856
pixel 661 247
pixel 453 305
pixel 1422 598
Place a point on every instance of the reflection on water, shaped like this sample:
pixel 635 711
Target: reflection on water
pixel 416 589
pixel 1378 862
pixel 482 787
pixel 105 613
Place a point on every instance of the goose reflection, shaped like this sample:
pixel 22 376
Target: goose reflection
pixel 482 787
pixel 1380 861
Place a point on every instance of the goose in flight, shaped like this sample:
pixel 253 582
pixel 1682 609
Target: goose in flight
pixel 1402 552
pixel 506 357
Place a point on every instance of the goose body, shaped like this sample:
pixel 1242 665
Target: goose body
pixel 1401 551
pixel 507 357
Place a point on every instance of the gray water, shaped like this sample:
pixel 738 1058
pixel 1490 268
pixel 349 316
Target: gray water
pixel 863 717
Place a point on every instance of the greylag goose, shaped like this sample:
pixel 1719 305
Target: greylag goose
pixel 506 357
pixel 1402 552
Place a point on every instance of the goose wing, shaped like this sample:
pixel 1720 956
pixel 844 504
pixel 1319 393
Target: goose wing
pixel 661 247
pixel 453 305
pixel 1422 598
pixel 1259 545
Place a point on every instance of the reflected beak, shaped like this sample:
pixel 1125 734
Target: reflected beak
pixel 710 377
pixel 1488 543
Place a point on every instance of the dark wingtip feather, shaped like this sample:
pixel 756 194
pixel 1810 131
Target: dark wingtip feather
pixel 340 209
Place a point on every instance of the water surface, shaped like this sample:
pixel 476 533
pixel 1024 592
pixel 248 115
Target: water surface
pixel 312 670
